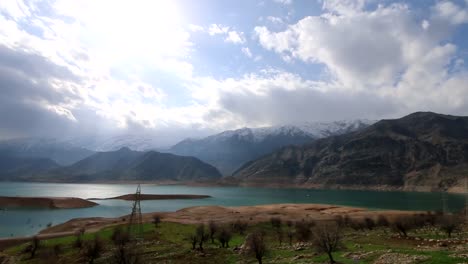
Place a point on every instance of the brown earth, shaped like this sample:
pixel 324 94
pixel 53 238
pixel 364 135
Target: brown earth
pixel 45 202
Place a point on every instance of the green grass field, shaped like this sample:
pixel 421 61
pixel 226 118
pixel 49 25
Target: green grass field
pixel 169 243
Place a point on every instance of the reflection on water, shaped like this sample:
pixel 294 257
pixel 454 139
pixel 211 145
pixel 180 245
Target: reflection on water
pixel 30 221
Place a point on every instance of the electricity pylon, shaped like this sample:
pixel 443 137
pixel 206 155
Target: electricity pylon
pixel 135 224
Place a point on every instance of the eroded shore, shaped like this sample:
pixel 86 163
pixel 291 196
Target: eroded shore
pixel 45 202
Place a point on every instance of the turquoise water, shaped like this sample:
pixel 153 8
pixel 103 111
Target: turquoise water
pixel 20 222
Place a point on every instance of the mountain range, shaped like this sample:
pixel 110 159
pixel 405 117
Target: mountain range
pixel 230 149
pixel 123 165
pixel 422 151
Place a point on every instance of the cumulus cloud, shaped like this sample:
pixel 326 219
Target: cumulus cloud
pixel 72 72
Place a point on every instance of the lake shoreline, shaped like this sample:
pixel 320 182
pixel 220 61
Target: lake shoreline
pixel 226 182
pixel 218 214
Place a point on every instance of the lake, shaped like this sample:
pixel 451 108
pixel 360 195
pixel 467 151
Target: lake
pixel 21 222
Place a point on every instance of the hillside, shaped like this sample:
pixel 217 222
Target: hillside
pixel 422 151
pixel 128 165
pixel 228 150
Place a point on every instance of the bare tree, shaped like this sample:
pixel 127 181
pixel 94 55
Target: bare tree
pixel 275 222
pixel 224 236
pixel 212 229
pixel 193 239
pixel 120 237
pixel 327 239
pixel 256 246
pixel 93 249
pixel 239 226
pixel 202 236
pixel 126 255
pixel 156 220
pixel 450 223
pixel 403 224
pixel 290 235
pixel 382 221
pixel 35 244
pixel 369 222
pixel 303 230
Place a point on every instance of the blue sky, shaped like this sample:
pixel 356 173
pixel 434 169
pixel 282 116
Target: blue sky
pixel 175 69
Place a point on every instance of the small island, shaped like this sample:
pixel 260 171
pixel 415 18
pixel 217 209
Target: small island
pixel 45 202
pixel 131 197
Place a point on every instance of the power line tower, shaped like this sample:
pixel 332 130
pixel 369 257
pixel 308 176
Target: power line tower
pixel 135 224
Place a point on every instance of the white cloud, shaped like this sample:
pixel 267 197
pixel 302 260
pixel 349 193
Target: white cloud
pixel 247 52
pixel 275 20
pixel 216 29
pixel 284 2
pixel 451 12
pixel 235 37
pixel 425 24
pixel 195 28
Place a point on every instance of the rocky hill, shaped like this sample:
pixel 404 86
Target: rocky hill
pixel 422 151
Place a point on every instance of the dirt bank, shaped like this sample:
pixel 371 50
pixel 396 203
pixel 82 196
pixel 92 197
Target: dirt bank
pixel 45 202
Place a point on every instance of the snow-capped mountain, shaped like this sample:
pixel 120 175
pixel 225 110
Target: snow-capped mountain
pixel 230 149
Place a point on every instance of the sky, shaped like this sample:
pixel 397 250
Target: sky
pixel 181 68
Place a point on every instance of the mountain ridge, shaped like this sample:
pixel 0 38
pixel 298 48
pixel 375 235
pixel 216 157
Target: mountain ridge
pixel 422 150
